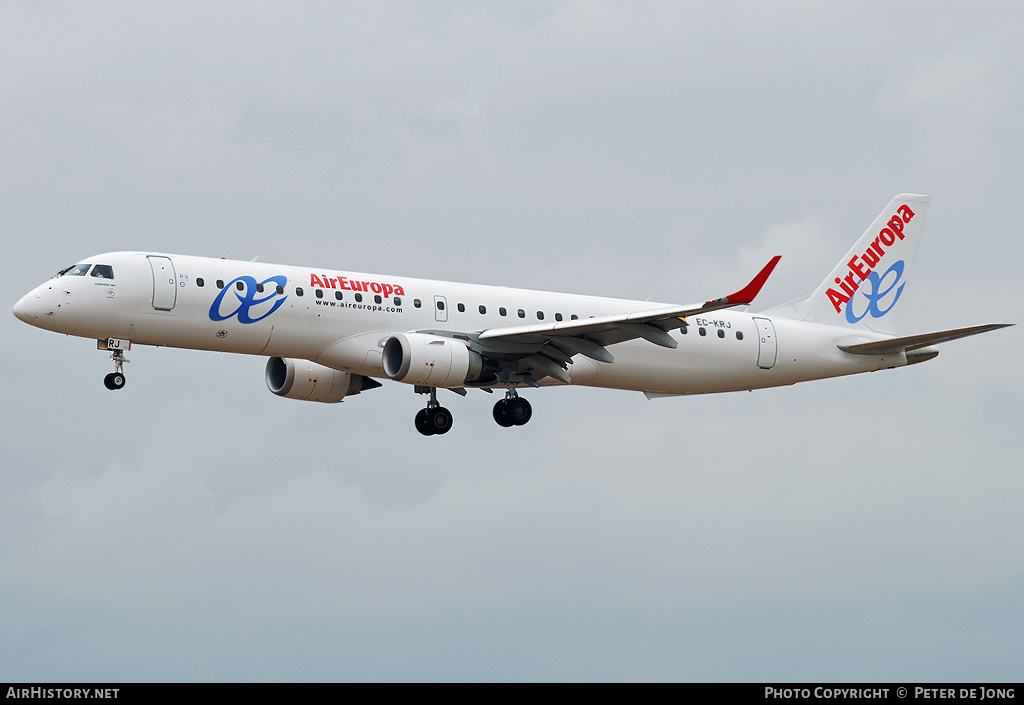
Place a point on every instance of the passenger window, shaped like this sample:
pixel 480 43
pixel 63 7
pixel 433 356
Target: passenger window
pixel 103 271
pixel 200 283
pixel 337 295
pixel 739 335
pixel 298 291
pixel 240 286
pixel 440 305
pixel 377 299
pixel 573 317
pixel 359 297
pixel 558 316
pixel 319 293
pixel 702 331
pixel 721 333
pixel 483 309
pixel 540 315
pixel 462 308
pixel 501 311
pixel 220 283
pixel 280 289
pixel 521 313
pixel 259 288
pixel 417 303
pixel 398 301
pixel 684 330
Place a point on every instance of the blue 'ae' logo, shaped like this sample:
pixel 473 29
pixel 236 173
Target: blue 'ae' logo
pixel 877 293
pixel 247 299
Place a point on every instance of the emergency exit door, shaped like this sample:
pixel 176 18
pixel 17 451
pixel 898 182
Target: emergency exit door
pixel 767 348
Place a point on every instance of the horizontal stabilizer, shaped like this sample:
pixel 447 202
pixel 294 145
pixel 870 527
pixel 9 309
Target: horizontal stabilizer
pixel 914 342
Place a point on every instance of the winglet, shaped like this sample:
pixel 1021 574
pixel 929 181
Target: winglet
pixel 748 293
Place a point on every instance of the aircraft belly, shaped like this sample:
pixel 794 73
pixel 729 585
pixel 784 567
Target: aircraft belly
pixel 359 353
pixel 185 331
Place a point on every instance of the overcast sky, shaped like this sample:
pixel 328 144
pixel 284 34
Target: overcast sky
pixel 196 527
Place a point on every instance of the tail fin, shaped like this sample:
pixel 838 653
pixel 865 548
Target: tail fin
pixel 863 290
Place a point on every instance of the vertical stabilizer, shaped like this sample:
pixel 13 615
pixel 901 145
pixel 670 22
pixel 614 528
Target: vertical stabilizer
pixel 864 289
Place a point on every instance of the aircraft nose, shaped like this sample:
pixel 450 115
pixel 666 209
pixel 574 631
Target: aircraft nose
pixel 29 308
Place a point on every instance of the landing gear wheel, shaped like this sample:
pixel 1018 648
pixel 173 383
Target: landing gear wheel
pixel 434 421
pixel 440 420
pixel 422 425
pixel 518 411
pixel 500 416
pixel 115 380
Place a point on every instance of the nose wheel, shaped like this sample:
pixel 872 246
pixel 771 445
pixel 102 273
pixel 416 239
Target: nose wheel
pixel 115 380
pixel 435 420
pixel 513 410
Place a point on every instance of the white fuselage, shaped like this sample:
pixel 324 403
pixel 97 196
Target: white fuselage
pixel 341 319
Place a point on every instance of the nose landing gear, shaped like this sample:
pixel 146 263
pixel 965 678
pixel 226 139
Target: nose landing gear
pixel 115 380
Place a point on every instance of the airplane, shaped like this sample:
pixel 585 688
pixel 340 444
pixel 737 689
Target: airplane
pixel 332 334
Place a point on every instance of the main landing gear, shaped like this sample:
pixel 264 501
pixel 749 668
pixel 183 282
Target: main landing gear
pixel 513 410
pixel 435 419
pixel 115 380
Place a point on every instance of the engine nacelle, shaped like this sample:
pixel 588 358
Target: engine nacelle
pixel 430 360
pixel 302 379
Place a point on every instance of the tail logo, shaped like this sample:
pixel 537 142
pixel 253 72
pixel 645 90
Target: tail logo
pixel 877 293
pixel 861 269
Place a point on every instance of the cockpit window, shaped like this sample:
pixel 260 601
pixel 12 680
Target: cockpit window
pixel 103 271
pixel 79 270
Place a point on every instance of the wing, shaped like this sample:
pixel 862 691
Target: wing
pixel 547 349
pixel 589 336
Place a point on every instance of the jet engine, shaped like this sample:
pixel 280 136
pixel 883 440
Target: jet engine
pixel 430 360
pixel 302 379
